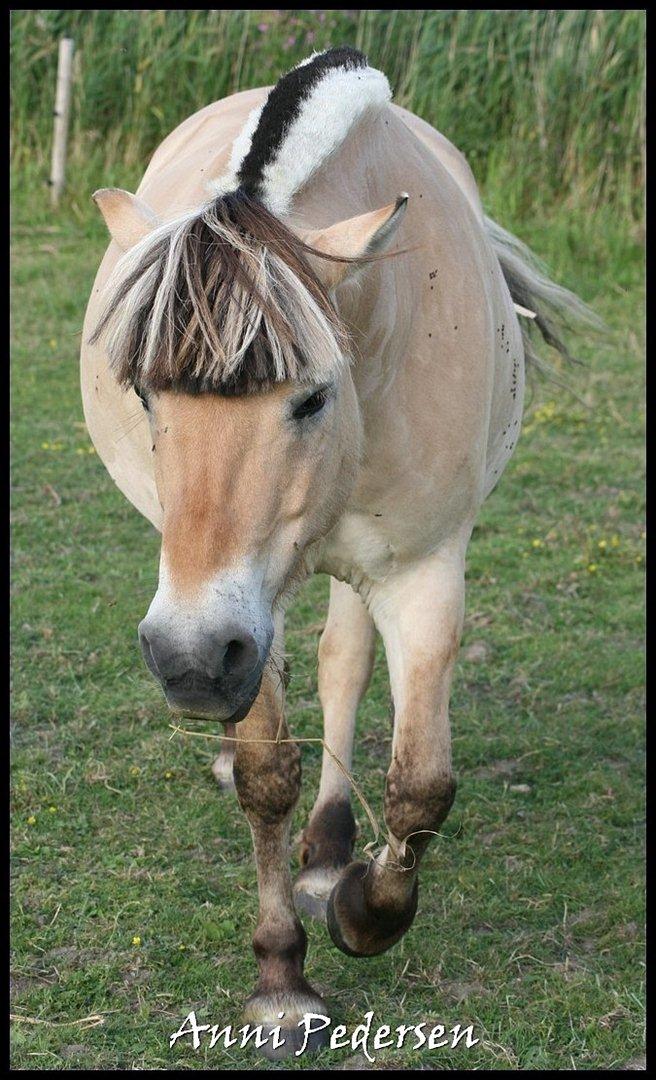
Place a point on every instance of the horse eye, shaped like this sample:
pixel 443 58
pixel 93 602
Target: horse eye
pixel 312 404
pixel 142 398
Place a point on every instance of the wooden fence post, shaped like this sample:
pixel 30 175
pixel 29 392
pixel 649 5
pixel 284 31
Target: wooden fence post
pixel 62 112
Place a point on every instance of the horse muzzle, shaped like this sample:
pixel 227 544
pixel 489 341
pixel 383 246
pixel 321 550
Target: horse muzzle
pixel 216 677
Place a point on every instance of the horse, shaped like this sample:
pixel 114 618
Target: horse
pixel 320 330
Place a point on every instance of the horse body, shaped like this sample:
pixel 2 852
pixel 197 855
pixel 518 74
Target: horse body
pixel 423 422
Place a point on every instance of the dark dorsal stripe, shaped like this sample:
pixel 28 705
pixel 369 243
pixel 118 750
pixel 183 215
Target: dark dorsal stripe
pixel 283 105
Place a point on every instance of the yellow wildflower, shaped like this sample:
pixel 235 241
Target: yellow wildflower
pixel 136 941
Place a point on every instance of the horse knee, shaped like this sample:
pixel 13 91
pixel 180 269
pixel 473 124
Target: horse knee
pixel 268 781
pixel 417 800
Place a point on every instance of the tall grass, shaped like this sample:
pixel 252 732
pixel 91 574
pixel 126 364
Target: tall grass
pixel 547 105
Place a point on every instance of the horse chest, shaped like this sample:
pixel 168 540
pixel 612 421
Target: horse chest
pixel 359 548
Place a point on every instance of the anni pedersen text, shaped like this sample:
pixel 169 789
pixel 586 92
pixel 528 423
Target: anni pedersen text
pixel 365 1036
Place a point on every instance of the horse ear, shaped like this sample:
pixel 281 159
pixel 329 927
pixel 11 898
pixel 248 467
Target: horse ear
pixel 127 217
pixel 354 238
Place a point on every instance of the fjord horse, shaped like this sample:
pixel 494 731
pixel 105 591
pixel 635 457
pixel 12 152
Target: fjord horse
pixel 317 399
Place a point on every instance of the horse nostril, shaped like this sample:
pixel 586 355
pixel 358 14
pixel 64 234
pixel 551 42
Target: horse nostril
pixel 240 657
pixel 233 653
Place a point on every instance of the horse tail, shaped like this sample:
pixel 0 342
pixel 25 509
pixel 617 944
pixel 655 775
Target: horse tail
pixel 556 309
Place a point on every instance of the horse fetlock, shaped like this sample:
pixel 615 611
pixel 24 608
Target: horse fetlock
pixel 280 948
pixel 328 838
pixel 364 923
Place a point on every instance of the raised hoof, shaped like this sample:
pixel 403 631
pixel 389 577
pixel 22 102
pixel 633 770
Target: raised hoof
pixel 312 889
pixel 264 1009
pixel 222 773
pixel 358 929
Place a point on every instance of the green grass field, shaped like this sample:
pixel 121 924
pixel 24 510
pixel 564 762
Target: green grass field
pixel 134 895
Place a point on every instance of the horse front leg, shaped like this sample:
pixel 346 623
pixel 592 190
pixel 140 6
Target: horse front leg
pixel 419 614
pixel 346 656
pixel 267 779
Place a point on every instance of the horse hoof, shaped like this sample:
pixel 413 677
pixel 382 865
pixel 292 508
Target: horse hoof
pixel 222 773
pixel 293 1040
pixel 312 889
pixel 358 929
pixel 264 1010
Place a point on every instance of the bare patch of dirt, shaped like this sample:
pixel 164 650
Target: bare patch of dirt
pixel 504 768
pixel 476 653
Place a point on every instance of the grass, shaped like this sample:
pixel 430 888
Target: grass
pixel 134 892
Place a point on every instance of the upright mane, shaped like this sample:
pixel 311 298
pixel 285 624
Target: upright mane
pixel 224 298
pixel 305 118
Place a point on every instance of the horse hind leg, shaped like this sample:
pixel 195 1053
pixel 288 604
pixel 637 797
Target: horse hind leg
pixel 346 654
pixel 222 764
